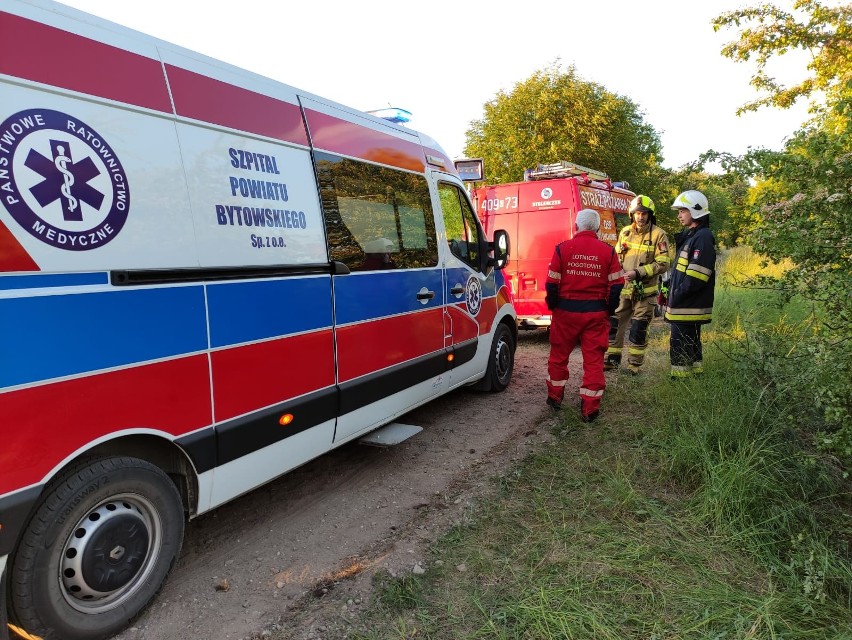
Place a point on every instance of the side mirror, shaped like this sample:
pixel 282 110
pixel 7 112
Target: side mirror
pixel 500 248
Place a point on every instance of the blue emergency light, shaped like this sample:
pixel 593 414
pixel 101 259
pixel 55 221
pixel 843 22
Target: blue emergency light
pixel 392 114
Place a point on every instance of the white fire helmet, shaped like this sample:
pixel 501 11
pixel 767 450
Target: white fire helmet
pixel 695 201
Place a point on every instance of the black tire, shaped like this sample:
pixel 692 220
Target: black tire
pixel 501 361
pixel 97 550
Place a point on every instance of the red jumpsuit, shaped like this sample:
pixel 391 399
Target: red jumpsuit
pixel 578 281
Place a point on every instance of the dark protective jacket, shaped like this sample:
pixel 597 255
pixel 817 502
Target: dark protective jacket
pixel 693 279
pixel 580 274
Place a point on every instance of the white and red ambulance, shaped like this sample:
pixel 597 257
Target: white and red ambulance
pixel 207 278
pixel 539 213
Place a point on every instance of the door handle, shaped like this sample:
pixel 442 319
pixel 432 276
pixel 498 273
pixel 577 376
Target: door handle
pixel 457 290
pixel 425 295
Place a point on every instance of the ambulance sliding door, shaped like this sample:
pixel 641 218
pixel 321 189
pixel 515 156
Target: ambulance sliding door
pixel 388 310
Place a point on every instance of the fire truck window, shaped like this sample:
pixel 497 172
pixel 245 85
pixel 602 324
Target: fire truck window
pixel 376 217
pixel 460 223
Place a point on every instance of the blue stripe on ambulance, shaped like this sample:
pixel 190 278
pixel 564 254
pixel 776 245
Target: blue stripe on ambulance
pixel 289 306
pixel 98 331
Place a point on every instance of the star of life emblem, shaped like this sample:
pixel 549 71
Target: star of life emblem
pixel 473 295
pixel 61 181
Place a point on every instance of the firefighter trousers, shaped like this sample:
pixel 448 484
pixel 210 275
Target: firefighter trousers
pixel 567 329
pixel 638 314
pixel 685 349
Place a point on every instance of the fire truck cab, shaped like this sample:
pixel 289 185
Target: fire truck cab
pixel 539 213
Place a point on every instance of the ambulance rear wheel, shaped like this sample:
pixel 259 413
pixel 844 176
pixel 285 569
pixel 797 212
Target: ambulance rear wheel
pixel 97 550
pixel 501 361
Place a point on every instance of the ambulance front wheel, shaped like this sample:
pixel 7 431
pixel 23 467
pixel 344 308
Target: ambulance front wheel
pixel 97 550
pixel 501 361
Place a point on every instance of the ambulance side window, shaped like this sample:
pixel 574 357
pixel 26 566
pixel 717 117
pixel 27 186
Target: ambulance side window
pixel 460 223
pixel 376 217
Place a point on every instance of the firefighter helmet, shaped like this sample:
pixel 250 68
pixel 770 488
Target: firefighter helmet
pixel 642 203
pixel 695 201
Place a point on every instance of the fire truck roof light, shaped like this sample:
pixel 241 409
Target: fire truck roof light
pixel 392 114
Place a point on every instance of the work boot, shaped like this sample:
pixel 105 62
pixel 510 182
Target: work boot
pixel 553 404
pixel 610 365
pixel 591 417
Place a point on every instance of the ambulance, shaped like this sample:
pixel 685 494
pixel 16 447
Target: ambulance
pixel 539 213
pixel 207 278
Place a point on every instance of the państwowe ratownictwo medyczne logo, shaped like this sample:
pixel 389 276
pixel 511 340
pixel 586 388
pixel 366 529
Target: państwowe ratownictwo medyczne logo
pixel 61 181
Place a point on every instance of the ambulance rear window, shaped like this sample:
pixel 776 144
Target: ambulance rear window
pixel 376 217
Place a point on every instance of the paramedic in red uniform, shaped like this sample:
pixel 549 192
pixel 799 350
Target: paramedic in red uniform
pixel 578 282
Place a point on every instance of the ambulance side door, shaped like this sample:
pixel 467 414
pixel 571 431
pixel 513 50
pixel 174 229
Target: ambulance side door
pixel 469 288
pixel 388 301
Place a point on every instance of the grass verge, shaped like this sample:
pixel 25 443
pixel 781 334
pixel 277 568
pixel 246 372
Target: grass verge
pixel 691 509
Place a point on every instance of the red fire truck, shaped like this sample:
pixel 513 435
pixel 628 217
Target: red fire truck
pixel 539 213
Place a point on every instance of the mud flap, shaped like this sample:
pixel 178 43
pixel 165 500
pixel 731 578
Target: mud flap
pixel 389 435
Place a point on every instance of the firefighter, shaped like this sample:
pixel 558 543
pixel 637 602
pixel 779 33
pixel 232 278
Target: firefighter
pixel 691 284
pixel 578 282
pixel 644 252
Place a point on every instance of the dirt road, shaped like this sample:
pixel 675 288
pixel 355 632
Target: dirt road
pixel 246 568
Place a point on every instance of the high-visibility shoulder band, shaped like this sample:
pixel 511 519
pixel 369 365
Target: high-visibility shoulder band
pixel 591 393
pixel 683 260
pixel 662 259
pixel 694 266
pixel 696 274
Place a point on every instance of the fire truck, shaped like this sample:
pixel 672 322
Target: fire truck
pixel 539 213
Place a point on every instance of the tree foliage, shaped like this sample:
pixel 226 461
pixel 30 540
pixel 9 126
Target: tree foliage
pixel 555 115
pixel 800 204
pixel 825 33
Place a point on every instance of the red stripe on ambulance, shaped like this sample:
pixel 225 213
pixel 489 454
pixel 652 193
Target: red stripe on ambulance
pixel 348 139
pixel 131 399
pixel 210 100
pixel 260 375
pixel 13 257
pixel 402 338
pixel 46 54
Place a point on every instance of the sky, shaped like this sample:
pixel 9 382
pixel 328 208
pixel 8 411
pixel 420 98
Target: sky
pixel 443 60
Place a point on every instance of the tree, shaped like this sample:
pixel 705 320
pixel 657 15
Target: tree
pixel 555 115
pixel 803 196
pixel 824 32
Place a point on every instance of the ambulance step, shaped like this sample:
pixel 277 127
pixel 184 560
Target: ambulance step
pixel 390 434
